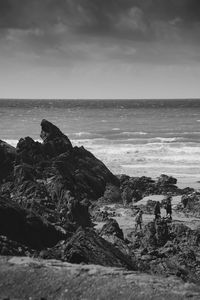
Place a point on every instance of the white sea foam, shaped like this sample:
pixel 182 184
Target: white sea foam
pixel 160 156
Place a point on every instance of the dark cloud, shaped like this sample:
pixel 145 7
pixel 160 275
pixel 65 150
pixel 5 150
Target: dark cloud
pixel 92 15
pixel 69 27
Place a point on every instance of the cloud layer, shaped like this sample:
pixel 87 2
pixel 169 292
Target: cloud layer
pixel 99 16
pixel 93 37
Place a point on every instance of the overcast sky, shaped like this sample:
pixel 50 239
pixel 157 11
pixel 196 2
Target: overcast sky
pixel 99 48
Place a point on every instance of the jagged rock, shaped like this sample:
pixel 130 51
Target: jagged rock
pixel 26 227
pixel 86 246
pixel 47 177
pixel 81 172
pixel 55 142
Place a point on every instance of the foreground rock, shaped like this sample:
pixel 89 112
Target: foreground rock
pixel 23 278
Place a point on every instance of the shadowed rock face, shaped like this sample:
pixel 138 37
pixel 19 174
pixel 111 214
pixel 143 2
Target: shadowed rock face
pixel 26 227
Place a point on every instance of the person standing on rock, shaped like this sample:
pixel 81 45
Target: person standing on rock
pixel 138 220
pixel 157 211
pixel 168 207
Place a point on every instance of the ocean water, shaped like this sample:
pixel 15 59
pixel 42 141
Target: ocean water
pixel 136 137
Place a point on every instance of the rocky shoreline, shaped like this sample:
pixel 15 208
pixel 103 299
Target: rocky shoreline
pixel 53 200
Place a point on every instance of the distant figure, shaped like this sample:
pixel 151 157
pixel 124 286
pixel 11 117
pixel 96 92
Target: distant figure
pixel 168 207
pixel 157 211
pixel 138 220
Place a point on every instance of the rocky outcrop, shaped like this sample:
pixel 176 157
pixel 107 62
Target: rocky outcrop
pixel 55 179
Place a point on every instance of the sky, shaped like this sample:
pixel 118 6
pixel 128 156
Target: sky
pixel 99 49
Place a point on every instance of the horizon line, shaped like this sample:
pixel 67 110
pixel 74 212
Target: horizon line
pixel 96 99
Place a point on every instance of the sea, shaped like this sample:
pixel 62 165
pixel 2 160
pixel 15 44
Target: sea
pixel 133 137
